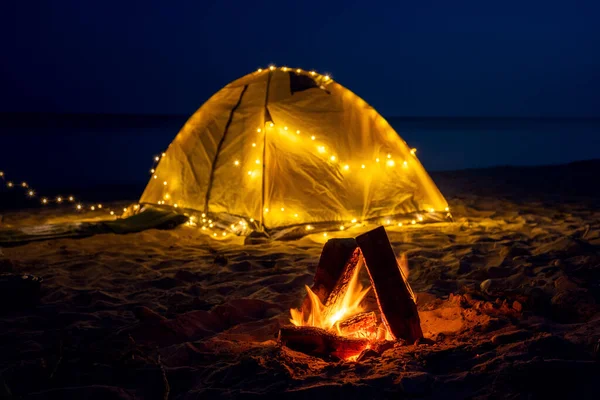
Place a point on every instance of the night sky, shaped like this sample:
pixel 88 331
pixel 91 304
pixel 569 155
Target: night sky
pixel 524 58
pixel 418 58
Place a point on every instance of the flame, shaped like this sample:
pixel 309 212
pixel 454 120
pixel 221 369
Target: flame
pixel 327 317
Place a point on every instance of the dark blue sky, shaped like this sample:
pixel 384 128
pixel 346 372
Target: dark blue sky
pixel 417 58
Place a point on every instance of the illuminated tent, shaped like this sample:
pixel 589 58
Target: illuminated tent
pixel 284 147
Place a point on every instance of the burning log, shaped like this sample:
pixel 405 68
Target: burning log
pixel 338 258
pixel 319 342
pixel 363 325
pixel 393 293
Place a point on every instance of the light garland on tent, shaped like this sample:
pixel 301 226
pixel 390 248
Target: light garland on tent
pixel 387 160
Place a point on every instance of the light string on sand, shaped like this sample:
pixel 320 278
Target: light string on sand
pixel 31 193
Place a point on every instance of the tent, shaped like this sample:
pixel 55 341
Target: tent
pixel 284 147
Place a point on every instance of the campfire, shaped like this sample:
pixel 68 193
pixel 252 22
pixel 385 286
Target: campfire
pixel 334 319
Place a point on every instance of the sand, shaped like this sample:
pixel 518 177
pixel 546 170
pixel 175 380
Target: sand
pixel 508 295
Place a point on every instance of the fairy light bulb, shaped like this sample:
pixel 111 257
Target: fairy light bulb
pixel 167 196
pixel 325 234
pixel 390 163
pixel 215 234
pixel 405 164
pixel 10 184
pixel 377 160
pixel 59 199
pixel 312 137
pixel 312 72
pixel 175 205
pixel 363 166
pixel 210 225
pixel 1 174
pixel 285 128
pixel 282 209
pixel 327 77
pixel 257 161
pixel 165 183
pixel 152 170
pixel 447 209
pixel 124 210
pixel 431 210
pixel 389 155
pixel 253 144
pixel 267 209
pixel 71 198
pixel 413 222
pixel 321 149
pixel 413 151
pixel 295 215
pixel 399 223
pixel 112 213
pixel 342 227
pixel 236 163
pixel 284 69
pixel 271 67
pixel 224 233
pixel 155 176
pixel 298 132
pixel 79 206
pixel 92 208
pixel 259 70
pixel 420 217
pixel 346 167
pixel 353 221
pixel 249 172
pixel 30 193
pixel 203 215
pixel 308 227
pixel 298 70
pixel 44 201
pixel 164 154
pixel 99 205
pixel 271 124
pixel 156 158
pixel 332 158
pixel 387 221
pixel 232 226
pixel 251 219
pixel 24 184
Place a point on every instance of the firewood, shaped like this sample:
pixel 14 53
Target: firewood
pixel 332 264
pixel 319 342
pixel 362 325
pixel 398 309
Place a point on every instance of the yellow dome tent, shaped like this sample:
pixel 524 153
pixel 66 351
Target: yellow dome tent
pixel 284 147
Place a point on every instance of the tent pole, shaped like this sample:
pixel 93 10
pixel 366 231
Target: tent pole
pixel 264 156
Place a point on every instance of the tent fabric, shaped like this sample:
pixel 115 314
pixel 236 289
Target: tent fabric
pixel 286 147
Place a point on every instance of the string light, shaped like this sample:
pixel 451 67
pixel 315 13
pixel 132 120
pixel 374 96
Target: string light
pixel 390 163
pixel 447 209
pixel 157 158
pixel 342 227
pixel 346 167
pixel 31 193
pixel 155 176
pixel 413 222
pixel 321 149
pixel 59 199
pixel 44 201
pixel 298 70
pixel 271 124
pixel 326 77
pixel 258 130
pixel 71 198
pixel 152 171
pixel 257 161
pixel 259 70
pixel 309 227
pixel 332 158
pixel 236 163
pixel 24 184
pixel 413 151
pixel 399 223
pixel 271 67
pixel 165 183
pixel 353 221
pixel 10 184
pixel 100 206
pixel 79 207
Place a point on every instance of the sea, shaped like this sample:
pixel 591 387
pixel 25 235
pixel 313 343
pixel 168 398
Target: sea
pixel 115 152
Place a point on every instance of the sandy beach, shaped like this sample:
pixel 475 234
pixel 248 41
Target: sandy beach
pixel 508 293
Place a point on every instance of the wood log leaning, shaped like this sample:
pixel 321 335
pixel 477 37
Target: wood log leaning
pixel 394 296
